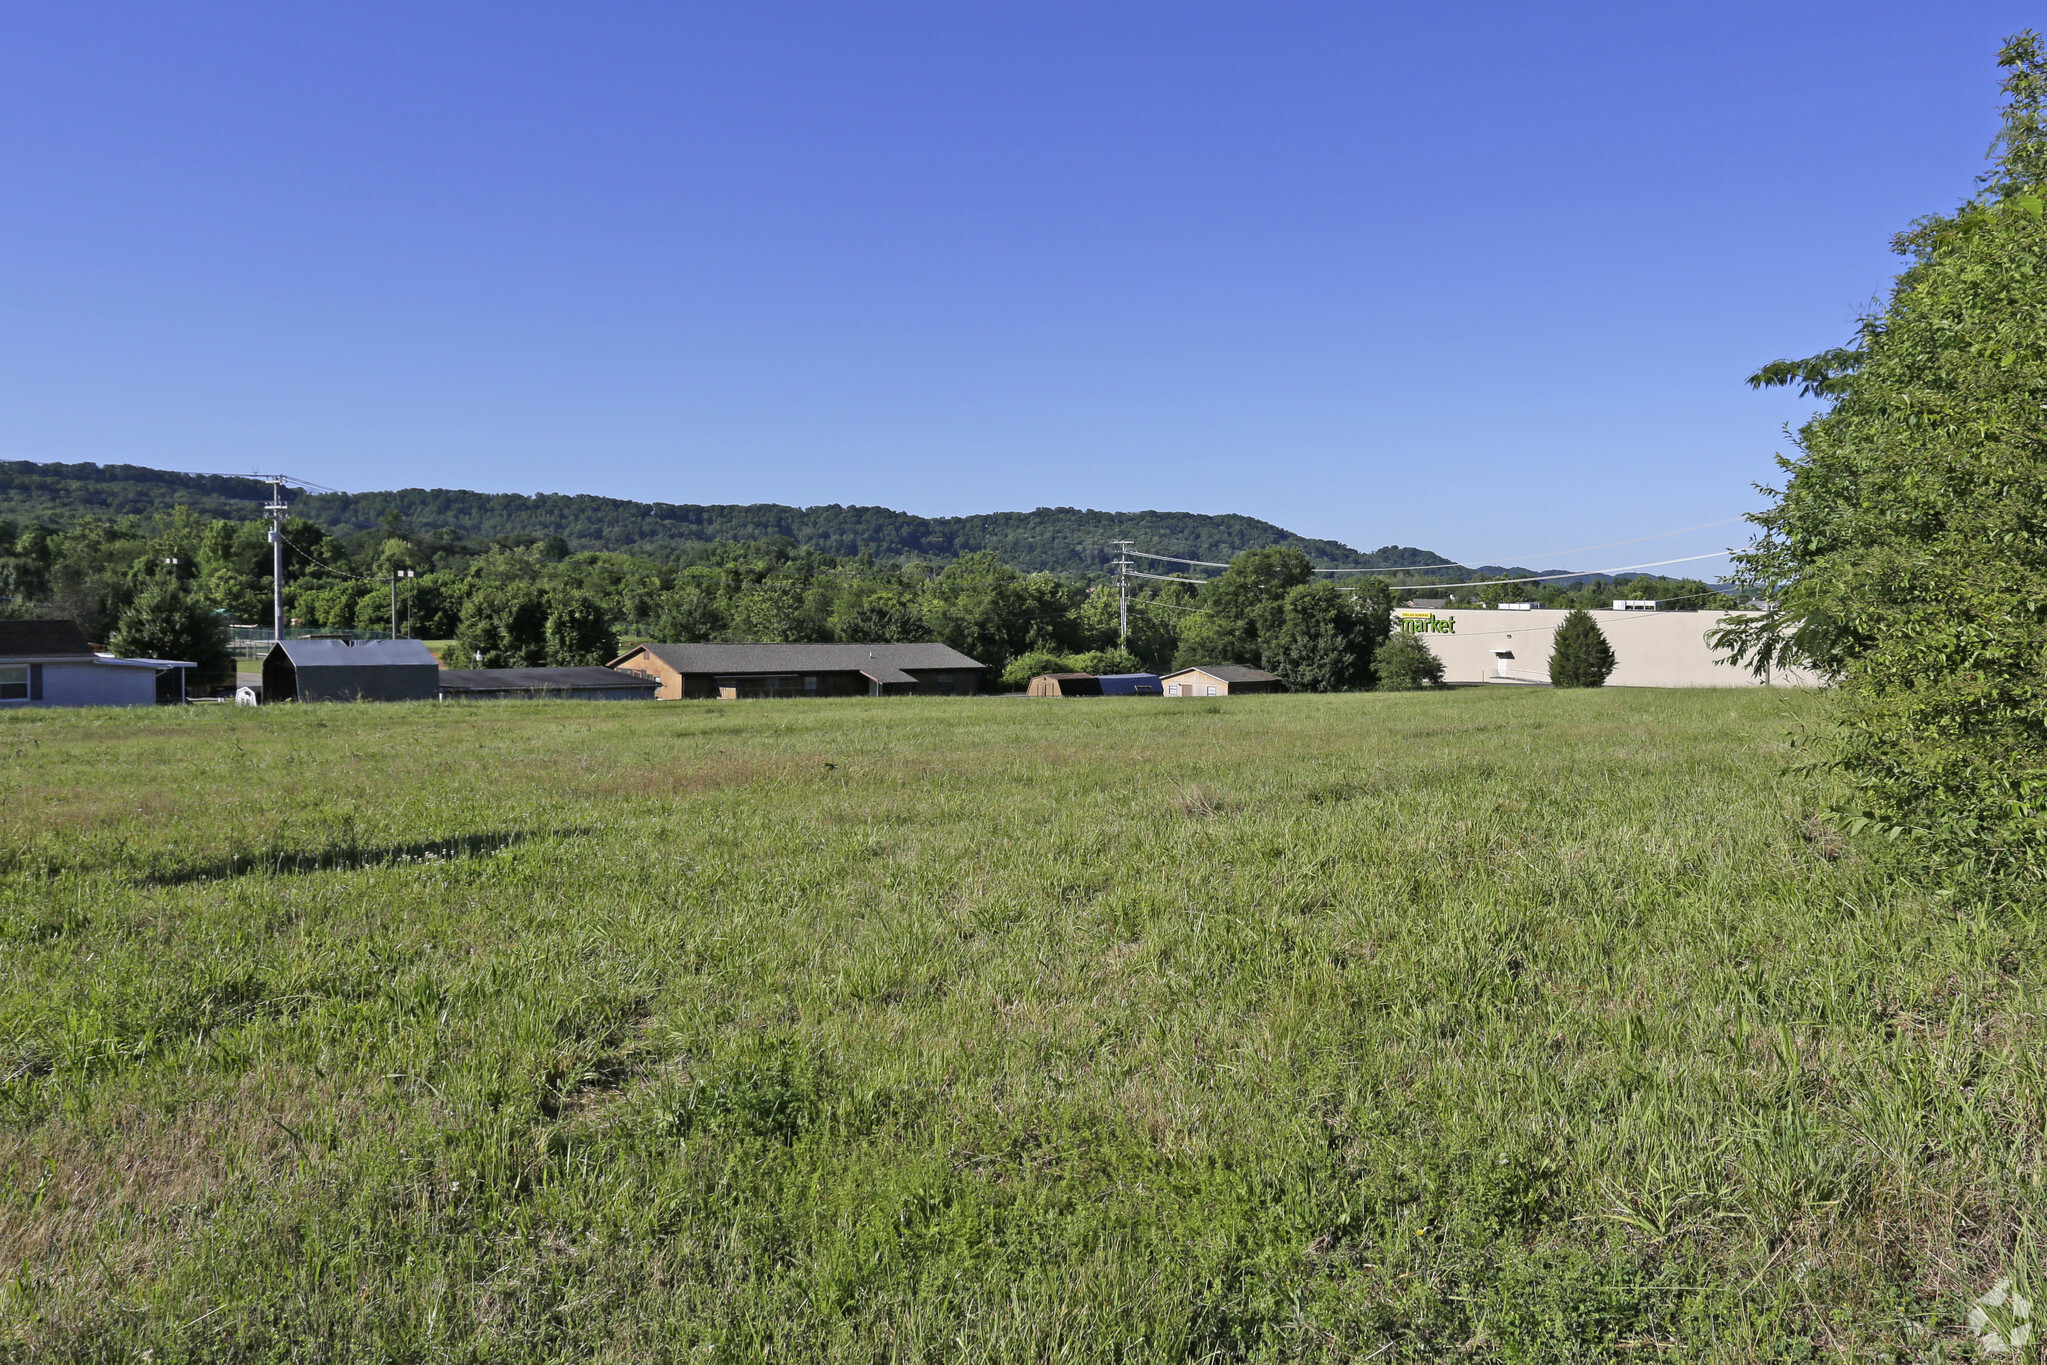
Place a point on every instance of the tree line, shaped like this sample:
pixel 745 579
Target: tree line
pixel 166 587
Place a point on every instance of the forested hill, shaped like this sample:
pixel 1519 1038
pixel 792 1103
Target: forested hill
pixel 1055 538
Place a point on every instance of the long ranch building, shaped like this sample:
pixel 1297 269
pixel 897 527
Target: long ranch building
pixel 1650 648
pixel 733 671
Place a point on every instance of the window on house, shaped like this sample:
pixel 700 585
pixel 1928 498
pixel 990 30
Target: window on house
pixel 13 682
pixel 1172 689
pixel 1211 691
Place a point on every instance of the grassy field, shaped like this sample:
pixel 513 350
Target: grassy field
pixel 1508 1024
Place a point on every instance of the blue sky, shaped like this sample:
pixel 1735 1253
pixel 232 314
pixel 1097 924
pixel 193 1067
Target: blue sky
pixel 1481 277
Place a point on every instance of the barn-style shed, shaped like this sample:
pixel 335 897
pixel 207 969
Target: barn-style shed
pixel 350 670
pixel 1065 685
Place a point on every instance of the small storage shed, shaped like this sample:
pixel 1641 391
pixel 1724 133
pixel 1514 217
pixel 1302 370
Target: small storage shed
pixel 350 670
pixel 563 684
pixel 1220 680
pixel 1130 684
pixel 1065 685
pixel 50 663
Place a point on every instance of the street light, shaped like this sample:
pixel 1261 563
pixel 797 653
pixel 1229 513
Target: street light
pixel 397 574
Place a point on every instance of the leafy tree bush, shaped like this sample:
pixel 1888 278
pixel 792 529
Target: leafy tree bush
pixel 1905 552
pixel 503 626
pixel 1581 656
pixel 167 622
pixel 1106 661
pixel 578 632
pixel 1243 608
pixel 1324 640
pixel 890 616
pixel 1403 664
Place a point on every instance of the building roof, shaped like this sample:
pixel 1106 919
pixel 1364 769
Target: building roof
pixel 356 653
pixel 1229 673
pixel 541 680
pixel 873 660
pixel 43 640
pixel 1062 676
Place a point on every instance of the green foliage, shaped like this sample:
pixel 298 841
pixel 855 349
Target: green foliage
pixel 503 625
pixel 1403 663
pixel 1243 608
pixel 1580 656
pixel 1905 552
pixel 577 632
pixel 1107 661
pixel 1323 641
pixel 167 622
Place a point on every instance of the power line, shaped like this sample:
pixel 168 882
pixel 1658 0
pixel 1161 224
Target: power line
pixel 1418 568
pixel 1576 573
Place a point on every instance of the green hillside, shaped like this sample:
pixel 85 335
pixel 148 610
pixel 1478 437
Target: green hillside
pixel 1050 538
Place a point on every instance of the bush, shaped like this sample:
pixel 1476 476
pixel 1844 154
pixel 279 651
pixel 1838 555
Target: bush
pixel 1105 661
pixel 1582 657
pixel 166 622
pixel 1404 664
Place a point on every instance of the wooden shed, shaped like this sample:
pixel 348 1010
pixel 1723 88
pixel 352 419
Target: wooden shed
pixel 1220 680
pixel 1065 685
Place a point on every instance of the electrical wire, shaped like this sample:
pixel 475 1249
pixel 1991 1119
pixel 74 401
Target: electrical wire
pixel 1418 568
pixel 323 564
pixel 1576 573
pixel 1169 578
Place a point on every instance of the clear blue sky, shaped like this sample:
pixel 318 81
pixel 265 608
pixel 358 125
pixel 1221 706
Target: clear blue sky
pixel 1482 277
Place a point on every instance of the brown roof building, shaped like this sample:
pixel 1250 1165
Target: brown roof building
pixel 1220 680
pixel 845 670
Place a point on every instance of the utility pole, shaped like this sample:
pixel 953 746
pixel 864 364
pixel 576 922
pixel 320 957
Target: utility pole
pixel 276 510
pixel 1122 593
pixel 397 574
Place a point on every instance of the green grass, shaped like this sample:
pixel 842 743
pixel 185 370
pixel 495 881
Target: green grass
pixel 1530 1025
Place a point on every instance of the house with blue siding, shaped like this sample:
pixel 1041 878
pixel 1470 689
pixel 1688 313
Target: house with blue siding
pixel 50 663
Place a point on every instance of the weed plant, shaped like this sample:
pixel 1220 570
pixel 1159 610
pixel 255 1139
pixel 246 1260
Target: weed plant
pixel 1517 1025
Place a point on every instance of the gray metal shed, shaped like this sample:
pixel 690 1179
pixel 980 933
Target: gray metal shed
pixel 350 670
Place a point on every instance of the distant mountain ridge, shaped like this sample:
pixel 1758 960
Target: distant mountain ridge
pixel 1060 539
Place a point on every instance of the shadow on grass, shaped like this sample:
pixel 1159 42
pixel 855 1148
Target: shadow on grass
pixel 279 862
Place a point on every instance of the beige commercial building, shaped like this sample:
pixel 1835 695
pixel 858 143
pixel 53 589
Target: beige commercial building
pixel 1651 648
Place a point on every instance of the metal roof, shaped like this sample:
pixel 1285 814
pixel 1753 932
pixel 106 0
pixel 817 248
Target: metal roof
pixel 873 660
pixel 356 653
pixel 43 640
pixel 1228 673
pixel 541 680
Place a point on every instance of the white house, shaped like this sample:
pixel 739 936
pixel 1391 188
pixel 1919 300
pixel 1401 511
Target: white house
pixel 49 663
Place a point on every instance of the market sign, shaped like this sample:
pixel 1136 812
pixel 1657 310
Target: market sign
pixel 1425 623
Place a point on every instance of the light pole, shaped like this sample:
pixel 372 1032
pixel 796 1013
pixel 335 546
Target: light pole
pixel 397 574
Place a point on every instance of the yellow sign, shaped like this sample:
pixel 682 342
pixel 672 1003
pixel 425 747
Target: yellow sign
pixel 1425 623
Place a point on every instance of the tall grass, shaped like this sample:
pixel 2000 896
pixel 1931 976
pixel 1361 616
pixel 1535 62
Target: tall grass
pixel 1521 1024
